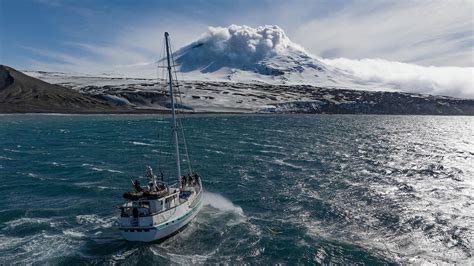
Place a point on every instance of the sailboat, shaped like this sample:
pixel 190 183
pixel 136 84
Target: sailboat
pixel 159 210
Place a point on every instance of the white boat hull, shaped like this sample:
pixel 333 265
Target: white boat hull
pixel 182 216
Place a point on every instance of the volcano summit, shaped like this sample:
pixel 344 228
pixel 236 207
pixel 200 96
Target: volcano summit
pixel 245 54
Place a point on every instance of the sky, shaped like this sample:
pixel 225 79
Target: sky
pixel 95 35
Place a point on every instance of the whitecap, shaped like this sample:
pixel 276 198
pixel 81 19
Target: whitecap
pixel 122 255
pixel 113 171
pixel 181 259
pixel 283 163
pixel 25 220
pixel 214 151
pixel 108 170
pixel 96 221
pixel 35 176
pixel 9 242
pixel 56 164
pixel 141 143
pixel 92 185
pixel 104 187
pixel 11 150
pixel 33 248
pixel 73 234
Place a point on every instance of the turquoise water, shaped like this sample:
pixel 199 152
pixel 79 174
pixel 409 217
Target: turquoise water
pixel 289 189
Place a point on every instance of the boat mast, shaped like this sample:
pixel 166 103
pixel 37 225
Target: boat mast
pixel 175 128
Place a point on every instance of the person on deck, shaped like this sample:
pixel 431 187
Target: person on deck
pixel 136 186
pixel 151 179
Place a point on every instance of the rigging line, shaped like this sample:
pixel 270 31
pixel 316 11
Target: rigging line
pixel 182 114
pixel 160 128
pixel 164 155
pixel 177 84
pixel 185 147
pixel 173 106
pixel 167 80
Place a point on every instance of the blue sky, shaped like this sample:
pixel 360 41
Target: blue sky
pixel 74 35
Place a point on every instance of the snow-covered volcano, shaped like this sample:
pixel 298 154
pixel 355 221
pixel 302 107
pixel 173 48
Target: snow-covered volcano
pixel 244 69
pixel 242 53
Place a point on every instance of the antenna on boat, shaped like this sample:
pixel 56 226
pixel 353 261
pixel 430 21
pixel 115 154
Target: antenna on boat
pixel 175 129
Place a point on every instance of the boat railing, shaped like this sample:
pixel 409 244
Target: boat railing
pixel 135 222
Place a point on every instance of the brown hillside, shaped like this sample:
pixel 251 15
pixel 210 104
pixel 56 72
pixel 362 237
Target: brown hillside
pixel 20 93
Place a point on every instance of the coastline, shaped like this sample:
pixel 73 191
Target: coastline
pixel 214 113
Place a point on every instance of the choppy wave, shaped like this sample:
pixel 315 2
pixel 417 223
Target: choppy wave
pixel 108 170
pixel 35 249
pixel 284 190
pixel 100 169
pixel 27 221
pixel 73 234
pixel 12 150
pixel 141 143
pixel 94 221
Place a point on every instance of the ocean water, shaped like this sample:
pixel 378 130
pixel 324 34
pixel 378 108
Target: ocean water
pixel 306 189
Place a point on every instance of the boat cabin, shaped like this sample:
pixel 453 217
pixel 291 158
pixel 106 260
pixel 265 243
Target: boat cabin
pixel 146 207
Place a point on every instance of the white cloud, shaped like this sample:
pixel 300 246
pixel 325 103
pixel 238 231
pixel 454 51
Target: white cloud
pixel 234 46
pixel 424 32
pixel 448 81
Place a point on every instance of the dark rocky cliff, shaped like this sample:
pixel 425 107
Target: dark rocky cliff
pixel 20 93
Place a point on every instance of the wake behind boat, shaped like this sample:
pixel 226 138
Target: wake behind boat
pixel 158 210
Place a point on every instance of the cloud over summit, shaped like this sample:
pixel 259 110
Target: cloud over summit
pixel 235 46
